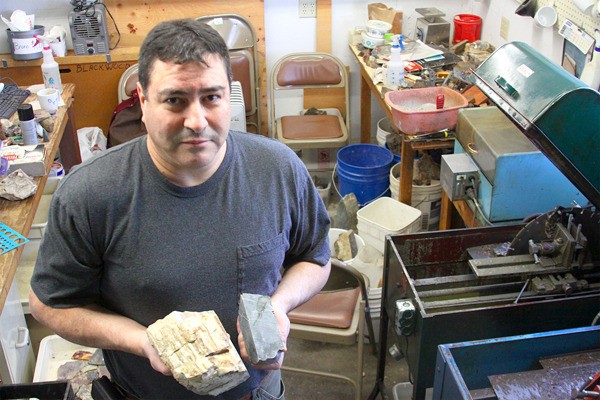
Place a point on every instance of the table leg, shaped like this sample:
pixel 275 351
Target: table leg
pixel 365 109
pixel 445 212
pixel 407 158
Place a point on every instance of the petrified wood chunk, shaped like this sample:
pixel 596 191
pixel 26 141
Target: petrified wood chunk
pixel 198 351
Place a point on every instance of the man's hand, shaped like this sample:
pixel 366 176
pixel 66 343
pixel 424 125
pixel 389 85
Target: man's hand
pixel 155 359
pixel 283 323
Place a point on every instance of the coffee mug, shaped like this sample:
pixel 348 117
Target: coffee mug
pixel 545 16
pixel 49 99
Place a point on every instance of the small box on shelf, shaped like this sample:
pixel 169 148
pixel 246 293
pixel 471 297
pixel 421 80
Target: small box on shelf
pixel 30 159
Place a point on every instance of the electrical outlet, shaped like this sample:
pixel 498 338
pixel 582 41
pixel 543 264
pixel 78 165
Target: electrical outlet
pixel 307 9
pixel 504 25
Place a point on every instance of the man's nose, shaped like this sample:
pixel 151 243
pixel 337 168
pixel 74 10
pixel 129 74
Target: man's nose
pixel 195 118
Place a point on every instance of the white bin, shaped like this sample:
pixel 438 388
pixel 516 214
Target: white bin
pixel 386 216
pixel 54 352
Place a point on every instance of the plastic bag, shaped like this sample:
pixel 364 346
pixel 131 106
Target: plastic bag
pixel 91 142
pixel 381 12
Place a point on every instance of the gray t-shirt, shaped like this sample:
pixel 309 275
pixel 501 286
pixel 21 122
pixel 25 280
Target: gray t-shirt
pixel 121 235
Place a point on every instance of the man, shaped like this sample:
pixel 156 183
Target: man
pixel 186 218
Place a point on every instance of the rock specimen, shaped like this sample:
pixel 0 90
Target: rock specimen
pixel 259 327
pixel 17 186
pixel 198 351
pixel 345 246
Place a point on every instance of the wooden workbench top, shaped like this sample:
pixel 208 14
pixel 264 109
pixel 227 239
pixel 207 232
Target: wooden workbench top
pixel 19 215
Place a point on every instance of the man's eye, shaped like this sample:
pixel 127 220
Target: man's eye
pixel 173 101
pixel 212 98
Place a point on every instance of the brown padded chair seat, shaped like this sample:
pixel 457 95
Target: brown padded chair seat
pixel 295 127
pixel 328 309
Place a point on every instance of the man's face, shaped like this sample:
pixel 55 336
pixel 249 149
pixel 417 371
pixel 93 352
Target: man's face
pixel 186 111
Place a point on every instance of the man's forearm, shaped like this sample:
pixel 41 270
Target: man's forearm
pixel 91 326
pixel 299 283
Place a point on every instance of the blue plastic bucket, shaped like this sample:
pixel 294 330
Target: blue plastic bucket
pixel 364 169
pixel 397 157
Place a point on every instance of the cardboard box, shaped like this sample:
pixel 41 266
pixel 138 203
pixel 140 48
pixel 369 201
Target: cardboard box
pixel 30 159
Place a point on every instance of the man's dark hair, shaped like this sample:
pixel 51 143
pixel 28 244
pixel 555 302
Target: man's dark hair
pixel 180 41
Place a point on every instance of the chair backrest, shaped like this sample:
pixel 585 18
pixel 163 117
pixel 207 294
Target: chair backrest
pixel 322 78
pixel 240 37
pixel 127 83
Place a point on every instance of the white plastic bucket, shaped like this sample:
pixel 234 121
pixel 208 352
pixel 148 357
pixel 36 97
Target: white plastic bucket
pixel 384 128
pixel 427 198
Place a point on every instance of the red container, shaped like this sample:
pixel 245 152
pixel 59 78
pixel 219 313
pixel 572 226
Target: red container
pixel 466 26
pixel 414 110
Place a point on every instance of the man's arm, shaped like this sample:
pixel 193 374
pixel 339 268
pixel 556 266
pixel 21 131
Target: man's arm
pixel 298 285
pixel 97 327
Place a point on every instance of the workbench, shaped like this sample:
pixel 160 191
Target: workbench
pixel 410 144
pixel 19 215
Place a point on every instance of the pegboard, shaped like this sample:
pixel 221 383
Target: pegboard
pixel 566 9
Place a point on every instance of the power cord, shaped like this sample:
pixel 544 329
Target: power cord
pixel 472 194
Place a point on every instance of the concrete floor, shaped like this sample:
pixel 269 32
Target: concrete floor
pixel 335 358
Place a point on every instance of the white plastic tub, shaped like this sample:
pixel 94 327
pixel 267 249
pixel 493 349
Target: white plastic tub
pixel 54 352
pixel 386 216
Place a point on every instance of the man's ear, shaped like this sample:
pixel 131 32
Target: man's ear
pixel 142 99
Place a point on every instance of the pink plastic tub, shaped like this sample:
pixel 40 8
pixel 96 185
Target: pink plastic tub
pixel 414 110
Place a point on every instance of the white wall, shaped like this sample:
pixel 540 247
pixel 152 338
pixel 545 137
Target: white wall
pixel 286 32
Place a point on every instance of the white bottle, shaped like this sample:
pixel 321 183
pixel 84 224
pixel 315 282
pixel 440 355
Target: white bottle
pixel 591 71
pixel 394 75
pixel 50 70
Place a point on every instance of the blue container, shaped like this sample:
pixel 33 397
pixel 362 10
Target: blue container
pixel 364 169
pixel 396 156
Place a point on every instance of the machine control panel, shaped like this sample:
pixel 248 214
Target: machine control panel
pixel 404 322
pixel 458 173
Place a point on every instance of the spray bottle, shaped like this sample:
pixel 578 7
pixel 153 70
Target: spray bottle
pixel 50 70
pixel 591 71
pixel 394 76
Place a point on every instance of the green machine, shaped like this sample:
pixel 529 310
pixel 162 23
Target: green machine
pixel 556 111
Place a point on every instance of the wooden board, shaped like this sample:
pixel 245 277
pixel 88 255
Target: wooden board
pixel 136 18
pixel 96 78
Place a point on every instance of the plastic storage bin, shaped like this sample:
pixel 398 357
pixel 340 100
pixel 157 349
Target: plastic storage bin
pixel 40 220
pixel 54 352
pixel 386 216
pixel 414 110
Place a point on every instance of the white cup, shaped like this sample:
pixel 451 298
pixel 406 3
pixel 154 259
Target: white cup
pixel 49 100
pixel 545 16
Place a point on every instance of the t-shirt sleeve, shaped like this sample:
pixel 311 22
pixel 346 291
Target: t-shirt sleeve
pixel 67 270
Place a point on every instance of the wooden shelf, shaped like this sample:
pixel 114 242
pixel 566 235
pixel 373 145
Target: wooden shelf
pixel 116 55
